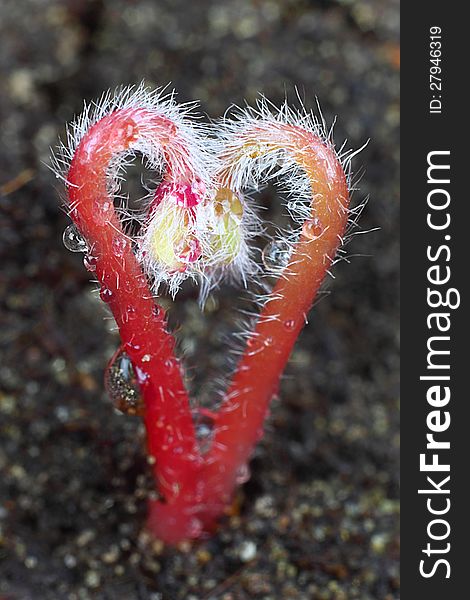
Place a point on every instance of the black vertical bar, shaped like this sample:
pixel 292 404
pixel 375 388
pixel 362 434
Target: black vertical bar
pixel 434 119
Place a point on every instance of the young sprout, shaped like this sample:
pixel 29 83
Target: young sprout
pixel 198 224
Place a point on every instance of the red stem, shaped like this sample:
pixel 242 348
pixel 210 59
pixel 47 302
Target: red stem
pixel 142 324
pixel 239 423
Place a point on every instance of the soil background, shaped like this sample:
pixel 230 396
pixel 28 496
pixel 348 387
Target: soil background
pixel 318 519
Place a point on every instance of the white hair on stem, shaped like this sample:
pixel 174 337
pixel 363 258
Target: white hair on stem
pixel 217 231
pixel 250 162
pixel 189 152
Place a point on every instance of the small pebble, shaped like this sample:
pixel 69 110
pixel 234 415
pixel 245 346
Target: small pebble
pixel 247 551
pixel 92 579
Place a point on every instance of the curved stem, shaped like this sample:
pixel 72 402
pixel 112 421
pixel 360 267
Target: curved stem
pixel 142 324
pixel 256 380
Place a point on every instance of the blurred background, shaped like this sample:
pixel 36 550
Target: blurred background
pixel 318 518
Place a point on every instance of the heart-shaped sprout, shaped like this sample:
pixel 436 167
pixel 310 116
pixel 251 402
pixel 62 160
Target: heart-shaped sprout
pixel 198 224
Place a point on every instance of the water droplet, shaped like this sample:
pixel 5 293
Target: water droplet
pixel 313 228
pixel 106 294
pixel 204 427
pixel 289 324
pixel 276 254
pixel 122 385
pixel 73 239
pixel 268 341
pixel 90 262
pixel 243 474
pixel 156 310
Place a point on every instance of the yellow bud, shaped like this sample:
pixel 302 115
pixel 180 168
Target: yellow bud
pixel 172 243
pixel 226 226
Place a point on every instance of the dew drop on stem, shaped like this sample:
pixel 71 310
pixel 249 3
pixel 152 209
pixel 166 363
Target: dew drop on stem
pixel 122 385
pixel 73 239
pixel 204 428
pixel 313 228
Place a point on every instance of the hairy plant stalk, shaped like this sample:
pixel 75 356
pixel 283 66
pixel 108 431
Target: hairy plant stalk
pixel 195 487
pixel 239 421
pixel 142 325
